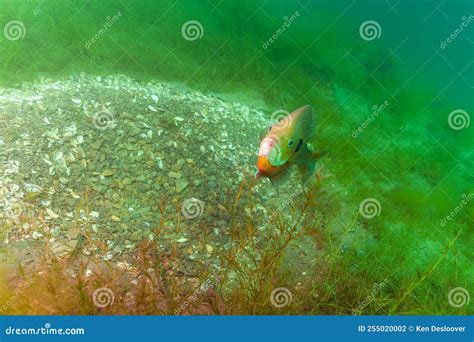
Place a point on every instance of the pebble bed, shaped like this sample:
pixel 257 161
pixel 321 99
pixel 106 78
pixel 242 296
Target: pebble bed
pixel 112 159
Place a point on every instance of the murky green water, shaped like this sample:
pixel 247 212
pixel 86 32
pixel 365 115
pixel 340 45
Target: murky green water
pixel 392 85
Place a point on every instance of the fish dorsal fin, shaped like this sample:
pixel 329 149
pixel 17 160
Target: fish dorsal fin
pixel 305 122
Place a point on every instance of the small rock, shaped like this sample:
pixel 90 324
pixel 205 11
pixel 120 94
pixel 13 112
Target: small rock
pixel 51 213
pixel 108 172
pixel 115 218
pixel 181 185
pixel 174 174
pixel 209 249
pixel 74 195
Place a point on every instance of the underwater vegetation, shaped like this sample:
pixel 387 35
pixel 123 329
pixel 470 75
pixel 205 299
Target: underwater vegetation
pixel 129 139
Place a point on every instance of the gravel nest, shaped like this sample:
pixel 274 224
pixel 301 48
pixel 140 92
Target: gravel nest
pixel 112 159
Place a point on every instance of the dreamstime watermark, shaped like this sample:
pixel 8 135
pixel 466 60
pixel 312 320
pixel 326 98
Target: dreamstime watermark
pixel 465 200
pixel 281 207
pixel 18 292
pixel 286 24
pixel 109 21
pixel 291 200
pixel 464 23
pixel 370 207
pixel 203 287
pixel 103 297
pixel 458 119
pixel 104 119
pixel 14 30
pixel 377 110
pixel 370 30
pixel 192 208
pixel 192 30
pixel 46 330
pixel 281 297
pixel 281 119
pixel 369 299
pixel 184 126
pixel 458 297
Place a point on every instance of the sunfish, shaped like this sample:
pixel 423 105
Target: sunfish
pixel 286 143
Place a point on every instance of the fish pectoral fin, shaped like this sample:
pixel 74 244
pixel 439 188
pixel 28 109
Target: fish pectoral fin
pixel 306 154
pixel 306 162
pixel 303 155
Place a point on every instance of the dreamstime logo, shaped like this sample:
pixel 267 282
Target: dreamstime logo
pixel 192 208
pixel 458 297
pixel 465 200
pixel 14 30
pixel 109 21
pixel 458 119
pixel 281 118
pixel 286 24
pixel 205 285
pixel 103 119
pixel 103 297
pixel 192 30
pixel 369 208
pixel 290 201
pixel 47 329
pixel 377 110
pixel 464 23
pixel 375 290
pixel 280 297
pixel 370 30
pixel 18 292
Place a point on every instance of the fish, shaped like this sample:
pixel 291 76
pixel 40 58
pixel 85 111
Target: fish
pixel 287 143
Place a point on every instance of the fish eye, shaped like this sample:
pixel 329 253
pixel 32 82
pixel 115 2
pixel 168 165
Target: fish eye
pixel 290 142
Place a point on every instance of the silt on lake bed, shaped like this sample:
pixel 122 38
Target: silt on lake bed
pixel 253 157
